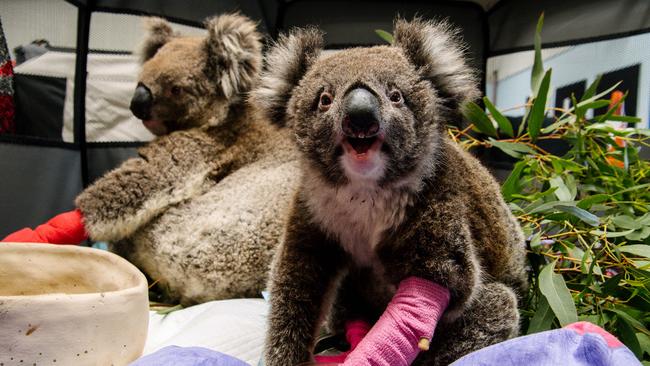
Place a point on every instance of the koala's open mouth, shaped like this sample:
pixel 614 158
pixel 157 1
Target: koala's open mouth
pixel 362 148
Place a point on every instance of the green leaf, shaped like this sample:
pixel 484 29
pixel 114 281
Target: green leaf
pixel 583 215
pixel 591 90
pixel 543 318
pixel 511 185
pixel 642 250
pixel 628 336
pixel 597 96
pixel 547 206
pixel 561 190
pixel 474 114
pixel 536 240
pixel 625 222
pixel 611 234
pixel 612 110
pixel 513 149
pixel 538 67
pixel 384 35
pixel 639 234
pixel 627 119
pixel 538 110
pixel 504 123
pixel 644 342
pixel 585 203
pixel 557 294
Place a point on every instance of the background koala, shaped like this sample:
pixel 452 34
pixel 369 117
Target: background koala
pixel 203 206
pixel 386 195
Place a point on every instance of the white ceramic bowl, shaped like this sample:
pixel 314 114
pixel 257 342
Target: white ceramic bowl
pixel 69 305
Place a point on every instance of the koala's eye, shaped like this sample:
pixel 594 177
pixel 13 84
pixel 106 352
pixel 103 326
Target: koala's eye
pixel 325 101
pixel 395 96
pixel 176 90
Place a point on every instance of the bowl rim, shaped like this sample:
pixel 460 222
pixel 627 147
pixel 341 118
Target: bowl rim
pixel 141 280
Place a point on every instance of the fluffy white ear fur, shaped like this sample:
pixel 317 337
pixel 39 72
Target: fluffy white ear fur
pixel 286 64
pixel 234 53
pixel 436 49
pixel 159 32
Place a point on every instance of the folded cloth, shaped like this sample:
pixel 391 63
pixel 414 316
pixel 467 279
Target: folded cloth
pixel 187 356
pixel 578 344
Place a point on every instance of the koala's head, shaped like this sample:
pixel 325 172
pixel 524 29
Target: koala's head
pixel 187 81
pixel 373 114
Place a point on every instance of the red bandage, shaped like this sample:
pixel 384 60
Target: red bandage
pixel 65 228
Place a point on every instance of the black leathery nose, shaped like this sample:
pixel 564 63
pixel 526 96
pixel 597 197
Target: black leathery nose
pixel 141 102
pixel 362 114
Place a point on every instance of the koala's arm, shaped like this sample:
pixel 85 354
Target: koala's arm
pixel 437 247
pixel 306 267
pixel 169 170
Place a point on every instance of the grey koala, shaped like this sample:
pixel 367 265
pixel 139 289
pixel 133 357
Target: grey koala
pixel 385 194
pixel 203 207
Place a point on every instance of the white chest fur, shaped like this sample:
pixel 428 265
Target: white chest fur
pixel 358 215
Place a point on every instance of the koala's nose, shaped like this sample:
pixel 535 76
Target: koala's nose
pixel 362 115
pixel 141 102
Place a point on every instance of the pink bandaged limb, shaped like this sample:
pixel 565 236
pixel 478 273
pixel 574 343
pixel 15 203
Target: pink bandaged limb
pixel 355 330
pixel 405 327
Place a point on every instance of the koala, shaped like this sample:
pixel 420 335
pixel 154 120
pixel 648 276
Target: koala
pixel 203 207
pixel 385 194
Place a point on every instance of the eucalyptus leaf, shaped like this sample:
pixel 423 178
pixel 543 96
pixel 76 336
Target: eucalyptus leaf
pixel 583 215
pixel 612 109
pixel 543 318
pixel 385 35
pixel 538 67
pixel 554 289
pixel 586 202
pixel 642 250
pixel 511 146
pixel 644 342
pixel 474 114
pixel 538 110
pixel 626 222
pixel 502 121
pixel 561 190
pixel 628 336
pixel 591 90
pixel 611 234
pixel 511 184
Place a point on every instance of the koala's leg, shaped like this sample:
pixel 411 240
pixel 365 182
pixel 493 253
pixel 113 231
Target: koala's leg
pixel 303 279
pixel 169 170
pixel 492 317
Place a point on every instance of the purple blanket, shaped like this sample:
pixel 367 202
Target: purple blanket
pixel 579 344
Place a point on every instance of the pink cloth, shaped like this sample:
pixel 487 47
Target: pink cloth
pixel 412 314
pixel 586 327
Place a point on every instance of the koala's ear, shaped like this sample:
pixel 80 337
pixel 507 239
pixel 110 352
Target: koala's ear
pixel 436 49
pixel 286 64
pixel 234 53
pixel 159 32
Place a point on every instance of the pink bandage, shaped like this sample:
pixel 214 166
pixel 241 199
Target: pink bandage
pixel 355 330
pixel 412 314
